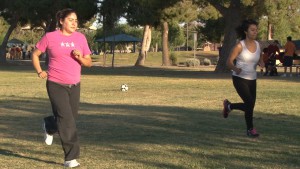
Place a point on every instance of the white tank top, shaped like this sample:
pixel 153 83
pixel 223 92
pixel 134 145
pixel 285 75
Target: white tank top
pixel 247 61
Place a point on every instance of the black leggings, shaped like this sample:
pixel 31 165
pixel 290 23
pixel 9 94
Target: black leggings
pixel 247 91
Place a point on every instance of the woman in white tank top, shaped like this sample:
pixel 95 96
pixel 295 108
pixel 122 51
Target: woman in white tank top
pixel 247 55
pixel 247 62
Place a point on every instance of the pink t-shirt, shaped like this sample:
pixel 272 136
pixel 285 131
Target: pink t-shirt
pixel 63 67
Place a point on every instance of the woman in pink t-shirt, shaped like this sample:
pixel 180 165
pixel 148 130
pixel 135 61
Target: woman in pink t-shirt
pixel 67 51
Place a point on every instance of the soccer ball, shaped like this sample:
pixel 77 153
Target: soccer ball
pixel 124 87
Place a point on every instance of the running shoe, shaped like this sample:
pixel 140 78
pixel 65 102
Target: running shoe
pixel 48 137
pixel 71 163
pixel 226 109
pixel 252 133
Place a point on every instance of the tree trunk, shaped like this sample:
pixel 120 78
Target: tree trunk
pixel 232 20
pixel 143 52
pixel 4 43
pixel 148 42
pixel 269 31
pixel 165 47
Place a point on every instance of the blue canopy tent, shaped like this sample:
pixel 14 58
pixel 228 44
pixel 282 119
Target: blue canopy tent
pixel 15 41
pixel 120 38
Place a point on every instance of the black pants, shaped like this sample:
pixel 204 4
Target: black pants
pixel 247 91
pixel 65 102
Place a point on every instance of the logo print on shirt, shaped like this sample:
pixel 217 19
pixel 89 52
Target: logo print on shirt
pixel 67 44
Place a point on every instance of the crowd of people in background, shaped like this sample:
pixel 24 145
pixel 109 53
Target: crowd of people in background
pixel 19 52
pixel 272 53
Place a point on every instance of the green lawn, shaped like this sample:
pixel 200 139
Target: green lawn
pixel 170 118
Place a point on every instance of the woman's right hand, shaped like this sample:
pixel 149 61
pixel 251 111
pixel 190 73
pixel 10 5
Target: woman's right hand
pixel 43 74
pixel 238 70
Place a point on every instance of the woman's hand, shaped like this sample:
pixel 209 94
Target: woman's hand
pixel 77 54
pixel 261 65
pixel 237 70
pixel 42 74
pixel 84 60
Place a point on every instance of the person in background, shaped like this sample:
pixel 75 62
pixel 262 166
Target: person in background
pixel 290 49
pixel 12 52
pixel 247 55
pixel 266 60
pixel 18 52
pixel 68 50
pixel 273 52
pixel 24 50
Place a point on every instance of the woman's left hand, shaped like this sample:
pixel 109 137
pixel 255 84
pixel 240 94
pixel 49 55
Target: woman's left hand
pixel 261 65
pixel 77 54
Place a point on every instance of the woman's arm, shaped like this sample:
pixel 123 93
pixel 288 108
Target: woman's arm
pixel 233 55
pixel 36 63
pixel 261 62
pixel 85 61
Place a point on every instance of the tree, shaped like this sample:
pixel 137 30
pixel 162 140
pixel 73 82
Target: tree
pixel 148 14
pixel 212 30
pixel 3 28
pixel 155 14
pixel 13 12
pixel 145 13
pixel 45 11
pixel 176 35
pixel 40 13
pixel 183 10
pixel 111 11
pixel 282 17
pixel 233 11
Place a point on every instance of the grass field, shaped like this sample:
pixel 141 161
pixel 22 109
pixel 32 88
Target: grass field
pixel 170 118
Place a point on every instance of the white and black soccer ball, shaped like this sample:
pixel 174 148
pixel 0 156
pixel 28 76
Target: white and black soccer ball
pixel 124 87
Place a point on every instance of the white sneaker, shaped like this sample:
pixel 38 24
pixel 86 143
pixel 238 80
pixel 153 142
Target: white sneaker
pixel 284 75
pixel 48 138
pixel 71 163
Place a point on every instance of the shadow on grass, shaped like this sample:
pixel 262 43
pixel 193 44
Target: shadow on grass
pixel 171 137
pixel 13 154
pixel 156 72
pixel 173 72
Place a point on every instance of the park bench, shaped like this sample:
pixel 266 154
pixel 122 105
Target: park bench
pixel 296 64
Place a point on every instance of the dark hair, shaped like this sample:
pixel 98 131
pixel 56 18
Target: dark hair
pixel 62 14
pixel 244 28
pixel 289 38
pixel 265 50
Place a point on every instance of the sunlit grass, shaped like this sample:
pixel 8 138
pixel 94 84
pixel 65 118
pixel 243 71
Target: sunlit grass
pixel 170 118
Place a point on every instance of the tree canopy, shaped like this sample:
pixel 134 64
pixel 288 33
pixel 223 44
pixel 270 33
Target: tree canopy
pixel 281 14
pixel 40 13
